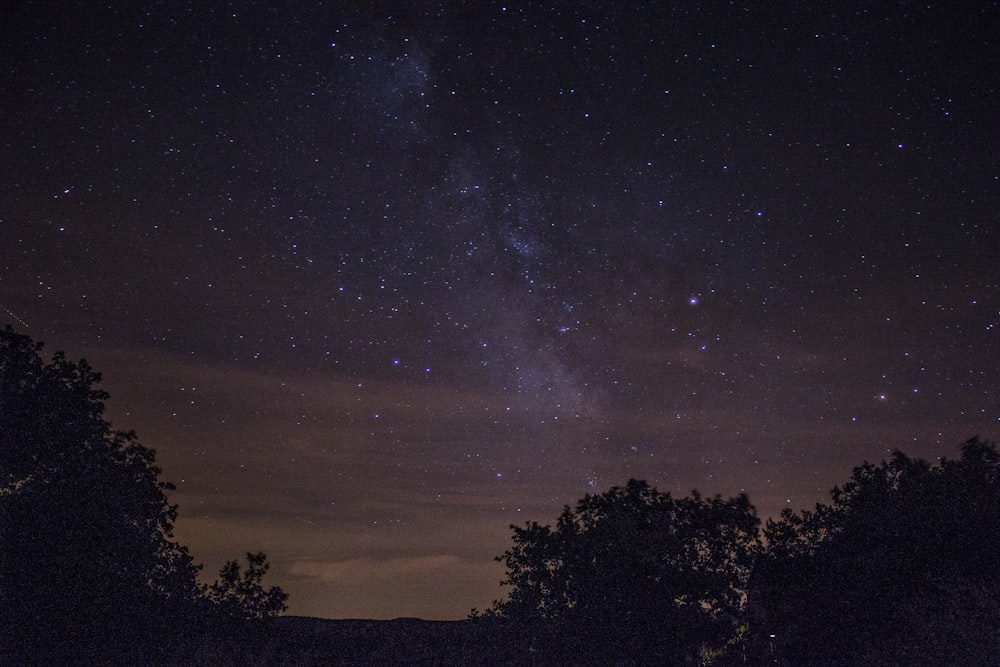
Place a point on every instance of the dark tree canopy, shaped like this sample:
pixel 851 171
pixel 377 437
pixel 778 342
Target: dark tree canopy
pixel 88 557
pixel 631 576
pixel 901 567
pixel 242 596
pixel 89 569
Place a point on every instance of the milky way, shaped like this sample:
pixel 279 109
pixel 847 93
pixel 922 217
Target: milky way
pixel 376 282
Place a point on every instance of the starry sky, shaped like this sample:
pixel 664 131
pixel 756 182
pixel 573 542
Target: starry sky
pixel 377 280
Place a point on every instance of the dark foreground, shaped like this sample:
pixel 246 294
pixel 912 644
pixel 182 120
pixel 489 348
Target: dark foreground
pixel 296 640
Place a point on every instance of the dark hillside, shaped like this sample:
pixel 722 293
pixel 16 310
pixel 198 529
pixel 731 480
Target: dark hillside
pixel 297 640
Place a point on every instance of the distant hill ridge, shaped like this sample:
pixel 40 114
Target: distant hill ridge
pixel 303 640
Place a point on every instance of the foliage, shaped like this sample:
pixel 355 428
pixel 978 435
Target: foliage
pixel 632 575
pixel 902 566
pixel 89 569
pixel 242 596
pixel 87 550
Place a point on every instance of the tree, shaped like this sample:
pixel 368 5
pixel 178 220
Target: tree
pixel 242 596
pixel 631 576
pixel 88 560
pixel 902 567
pixel 89 569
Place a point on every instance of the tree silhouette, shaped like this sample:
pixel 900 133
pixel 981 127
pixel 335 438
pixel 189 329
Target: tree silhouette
pixel 902 567
pixel 242 595
pixel 631 576
pixel 89 569
pixel 88 560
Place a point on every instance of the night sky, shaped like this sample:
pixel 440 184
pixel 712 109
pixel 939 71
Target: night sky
pixel 377 280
